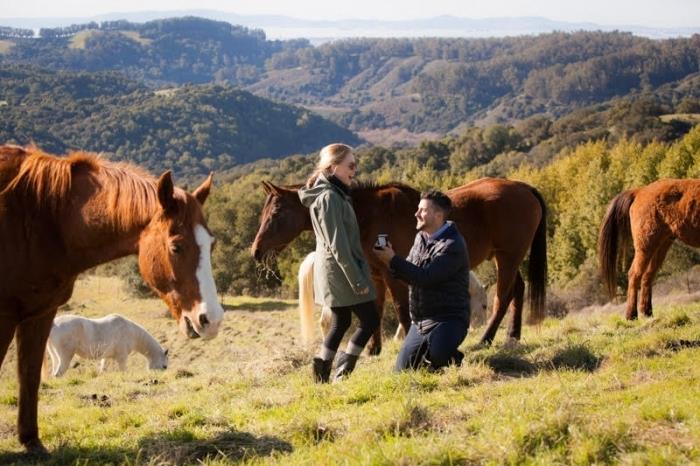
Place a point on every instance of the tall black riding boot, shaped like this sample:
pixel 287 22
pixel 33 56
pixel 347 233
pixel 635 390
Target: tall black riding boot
pixel 322 370
pixel 346 364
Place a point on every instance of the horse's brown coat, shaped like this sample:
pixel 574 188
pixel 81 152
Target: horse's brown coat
pixel 60 216
pixel 500 220
pixel 653 216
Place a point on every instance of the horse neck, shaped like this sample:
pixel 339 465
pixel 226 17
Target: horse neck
pixel 145 344
pixel 304 216
pixel 107 224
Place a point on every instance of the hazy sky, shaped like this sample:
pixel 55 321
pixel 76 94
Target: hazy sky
pixel 659 13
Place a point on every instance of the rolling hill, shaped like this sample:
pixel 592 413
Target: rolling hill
pixel 190 129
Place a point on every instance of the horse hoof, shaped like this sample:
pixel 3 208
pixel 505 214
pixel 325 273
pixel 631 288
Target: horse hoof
pixel 511 343
pixel 483 344
pixel 374 350
pixel 36 448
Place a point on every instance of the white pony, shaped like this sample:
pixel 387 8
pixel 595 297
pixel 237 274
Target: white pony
pixel 112 336
pixel 477 292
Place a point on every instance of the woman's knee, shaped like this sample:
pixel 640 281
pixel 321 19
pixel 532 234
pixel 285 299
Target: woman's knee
pixel 340 322
pixel 368 316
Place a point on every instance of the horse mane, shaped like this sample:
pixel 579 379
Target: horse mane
pixel 46 181
pixel 373 185
pixel 362 186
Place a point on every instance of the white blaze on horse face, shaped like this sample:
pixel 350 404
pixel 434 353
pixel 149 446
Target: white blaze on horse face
pixel 209 309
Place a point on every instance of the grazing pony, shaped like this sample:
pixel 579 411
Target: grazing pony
pixel 477 301
pixel 653 216
pixel 500 220
pixel 112 336
pixel 60 216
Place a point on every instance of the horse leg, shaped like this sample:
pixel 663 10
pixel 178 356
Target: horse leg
pixel 639 265
pixel 103 365
pixel 64 358
pixel 516 305
pixel 374 346
pixel 399 297
pixel 7 331
pixel 649 274
pixel 31 344
pixel 507 271
pixel 121 361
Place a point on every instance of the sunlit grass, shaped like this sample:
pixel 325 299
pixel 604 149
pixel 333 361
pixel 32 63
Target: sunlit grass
pixel 79 39
pixel 592 388
pixel 135 36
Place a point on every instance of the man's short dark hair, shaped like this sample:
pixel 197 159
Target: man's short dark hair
pixel 439 199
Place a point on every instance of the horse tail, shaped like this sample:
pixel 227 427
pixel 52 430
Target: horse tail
pixel 537 265
pixel 306 298
pixel 613 238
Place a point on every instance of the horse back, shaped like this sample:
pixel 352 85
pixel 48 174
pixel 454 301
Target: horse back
pixel 671 204
pixel 495 213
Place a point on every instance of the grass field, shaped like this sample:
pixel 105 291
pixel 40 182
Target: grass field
pixel 589 389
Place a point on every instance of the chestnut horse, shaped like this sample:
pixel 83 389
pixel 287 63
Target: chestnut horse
pixel 500 220
pixel 62 216
pixel 653 216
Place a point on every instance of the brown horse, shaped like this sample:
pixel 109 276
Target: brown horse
pixel 500 220
pixel 62 216
pixel 653 216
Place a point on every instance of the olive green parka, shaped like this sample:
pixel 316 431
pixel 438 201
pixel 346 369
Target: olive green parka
pixel 340 268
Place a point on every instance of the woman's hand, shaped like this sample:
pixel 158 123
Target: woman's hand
pixel 364 291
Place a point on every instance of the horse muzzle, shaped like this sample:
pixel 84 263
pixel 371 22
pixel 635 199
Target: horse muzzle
pixel 202 321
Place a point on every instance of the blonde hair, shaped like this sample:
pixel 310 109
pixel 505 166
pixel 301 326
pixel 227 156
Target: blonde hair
pixel 332 154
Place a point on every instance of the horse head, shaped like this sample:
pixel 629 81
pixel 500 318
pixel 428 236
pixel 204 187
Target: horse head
pixel 175 259
pixel 283 218
pixel 159 361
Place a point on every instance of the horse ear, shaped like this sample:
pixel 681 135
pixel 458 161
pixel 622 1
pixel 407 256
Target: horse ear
pixel 166 192
pixel 202 192
pixel 165 352
pixel 274 190
pixel 266 187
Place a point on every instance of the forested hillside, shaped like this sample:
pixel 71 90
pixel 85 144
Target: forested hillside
pixel 419 85
pixel 190 129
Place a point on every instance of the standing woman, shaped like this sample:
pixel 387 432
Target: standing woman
pixel 341 273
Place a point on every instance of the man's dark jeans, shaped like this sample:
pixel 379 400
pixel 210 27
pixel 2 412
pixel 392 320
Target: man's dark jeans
pixel 434 349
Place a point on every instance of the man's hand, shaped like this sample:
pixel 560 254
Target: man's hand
pixel 385 254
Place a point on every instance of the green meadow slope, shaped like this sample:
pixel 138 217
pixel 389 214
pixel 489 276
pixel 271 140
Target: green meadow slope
pixel 591 388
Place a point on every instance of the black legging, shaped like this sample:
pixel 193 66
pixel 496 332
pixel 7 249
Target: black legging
pixel 340 322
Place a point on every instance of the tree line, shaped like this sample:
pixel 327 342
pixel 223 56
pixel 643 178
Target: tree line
pixel 577 185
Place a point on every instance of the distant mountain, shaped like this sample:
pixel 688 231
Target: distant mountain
pixel 190 129
pixel 378 88
pixel 285 27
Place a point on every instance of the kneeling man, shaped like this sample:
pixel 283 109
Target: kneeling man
pixel 437 272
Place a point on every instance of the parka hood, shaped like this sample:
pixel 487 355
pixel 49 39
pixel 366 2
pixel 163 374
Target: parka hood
pixel 309 195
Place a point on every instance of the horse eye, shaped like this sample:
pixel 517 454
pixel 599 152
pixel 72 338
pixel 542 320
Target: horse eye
pixel 175 248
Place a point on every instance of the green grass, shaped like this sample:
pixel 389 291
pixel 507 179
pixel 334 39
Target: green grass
pixel 590 389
